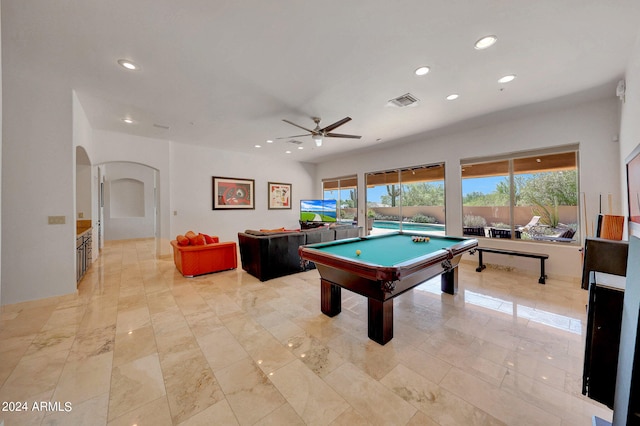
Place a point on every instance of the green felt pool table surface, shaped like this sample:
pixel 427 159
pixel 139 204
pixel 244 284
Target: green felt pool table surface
pixel 387 250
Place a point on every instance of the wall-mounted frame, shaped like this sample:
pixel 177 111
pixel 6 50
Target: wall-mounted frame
pixel 633 191
pixel 279 196
pixel 233 193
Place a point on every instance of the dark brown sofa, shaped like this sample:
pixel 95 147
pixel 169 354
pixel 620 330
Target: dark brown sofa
pixel 268 255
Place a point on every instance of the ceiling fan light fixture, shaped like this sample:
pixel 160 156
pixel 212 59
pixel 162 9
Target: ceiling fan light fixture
pixel 317 139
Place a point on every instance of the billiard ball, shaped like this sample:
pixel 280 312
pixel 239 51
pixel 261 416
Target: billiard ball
pixel 358 252
pixel 426 239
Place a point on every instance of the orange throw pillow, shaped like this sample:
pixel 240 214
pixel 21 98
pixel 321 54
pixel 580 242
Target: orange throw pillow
pixel 198 240
pixel 209 239
pixel 192 237
pixel 272 230
pixel 182 240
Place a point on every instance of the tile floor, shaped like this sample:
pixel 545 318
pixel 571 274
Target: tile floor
pixel 142 345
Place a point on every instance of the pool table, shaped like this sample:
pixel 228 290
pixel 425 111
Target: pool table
pixel 382 267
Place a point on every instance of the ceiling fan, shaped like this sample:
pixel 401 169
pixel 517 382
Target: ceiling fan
pixel 319 134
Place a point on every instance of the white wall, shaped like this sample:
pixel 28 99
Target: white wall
pixel 0 155
pixel 191 191
pixel 592 124
pixel 630 118
pixel 38 181
pixel 120 222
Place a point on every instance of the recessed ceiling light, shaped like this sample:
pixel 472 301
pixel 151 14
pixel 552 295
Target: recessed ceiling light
pixel 258 146
pixel 422 71
pixel 128 120
pixel 486 41
pixel 125 63
pixel 507 78
pixel 269 141
pixel 287 152
pixel 301 147
pixel 452 96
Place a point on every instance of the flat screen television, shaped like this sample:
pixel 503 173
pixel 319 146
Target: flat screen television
pixel 318 210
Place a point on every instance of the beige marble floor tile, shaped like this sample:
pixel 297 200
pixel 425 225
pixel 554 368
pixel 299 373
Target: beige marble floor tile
pixel 132 319
pixel 249 392
pixel 371 399
pixel 267 351
pixel 203 322
pixel 190 384
pixel 496 402
pixel 27 415
pixel 153 413
pixel 92 342
pixel 219 413
pixel 53 340
pixel 437 403
pixel 504 345
pixel 35 374
pixel 428 366
pixel 351 417
pixel 84 379
pixel 91 412
pixel 134 344
pixel 134 384
pixel 221 349
pixel 312 399
pixel 317 356
pixel 283 415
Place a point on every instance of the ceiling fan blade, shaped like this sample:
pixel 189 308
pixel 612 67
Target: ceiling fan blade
pixel 294 136
pixel 335 125
pixel 294 124
pixel 340 135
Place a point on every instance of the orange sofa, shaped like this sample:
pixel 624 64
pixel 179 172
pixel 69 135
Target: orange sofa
pixel 204 259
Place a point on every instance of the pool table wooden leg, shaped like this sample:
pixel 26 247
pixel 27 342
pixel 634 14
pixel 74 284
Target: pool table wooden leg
pixel 380 320
pixel 449 281
pixel 330 298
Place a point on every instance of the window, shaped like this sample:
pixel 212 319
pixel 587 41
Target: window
pixel 345 192
pixel 533 196
pixel 410 199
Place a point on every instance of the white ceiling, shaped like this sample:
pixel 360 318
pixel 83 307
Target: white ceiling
pixel 224 73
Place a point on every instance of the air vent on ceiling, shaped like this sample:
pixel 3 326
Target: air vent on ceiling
pixel 160 126
pixel 403 101
pixel 295 142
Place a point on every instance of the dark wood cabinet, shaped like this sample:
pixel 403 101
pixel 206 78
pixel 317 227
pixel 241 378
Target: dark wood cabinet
pixel 604 320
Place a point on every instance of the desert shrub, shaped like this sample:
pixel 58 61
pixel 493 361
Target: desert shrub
pixel 474 221
pixel 421 218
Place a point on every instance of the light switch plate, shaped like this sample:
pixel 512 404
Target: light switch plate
pixel 57 220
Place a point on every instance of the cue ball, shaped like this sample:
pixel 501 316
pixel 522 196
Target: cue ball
pixel 358 252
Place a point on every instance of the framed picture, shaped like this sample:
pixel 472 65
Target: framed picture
pixel 279 195
pixel 633 188
pixel 231 193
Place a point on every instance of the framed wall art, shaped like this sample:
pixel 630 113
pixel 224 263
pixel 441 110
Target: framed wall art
pixel 232 193
pixel 279 195
pixel 633 188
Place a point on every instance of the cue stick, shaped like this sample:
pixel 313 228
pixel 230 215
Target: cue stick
pixel 586 222
pixel 600 218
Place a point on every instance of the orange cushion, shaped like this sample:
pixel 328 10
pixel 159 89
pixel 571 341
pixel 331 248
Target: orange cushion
pixel 182 240
pixel 209 239
pixel 198 240
pixel 272 230
pixel 192 237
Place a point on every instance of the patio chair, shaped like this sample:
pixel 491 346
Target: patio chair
pixel 533 222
